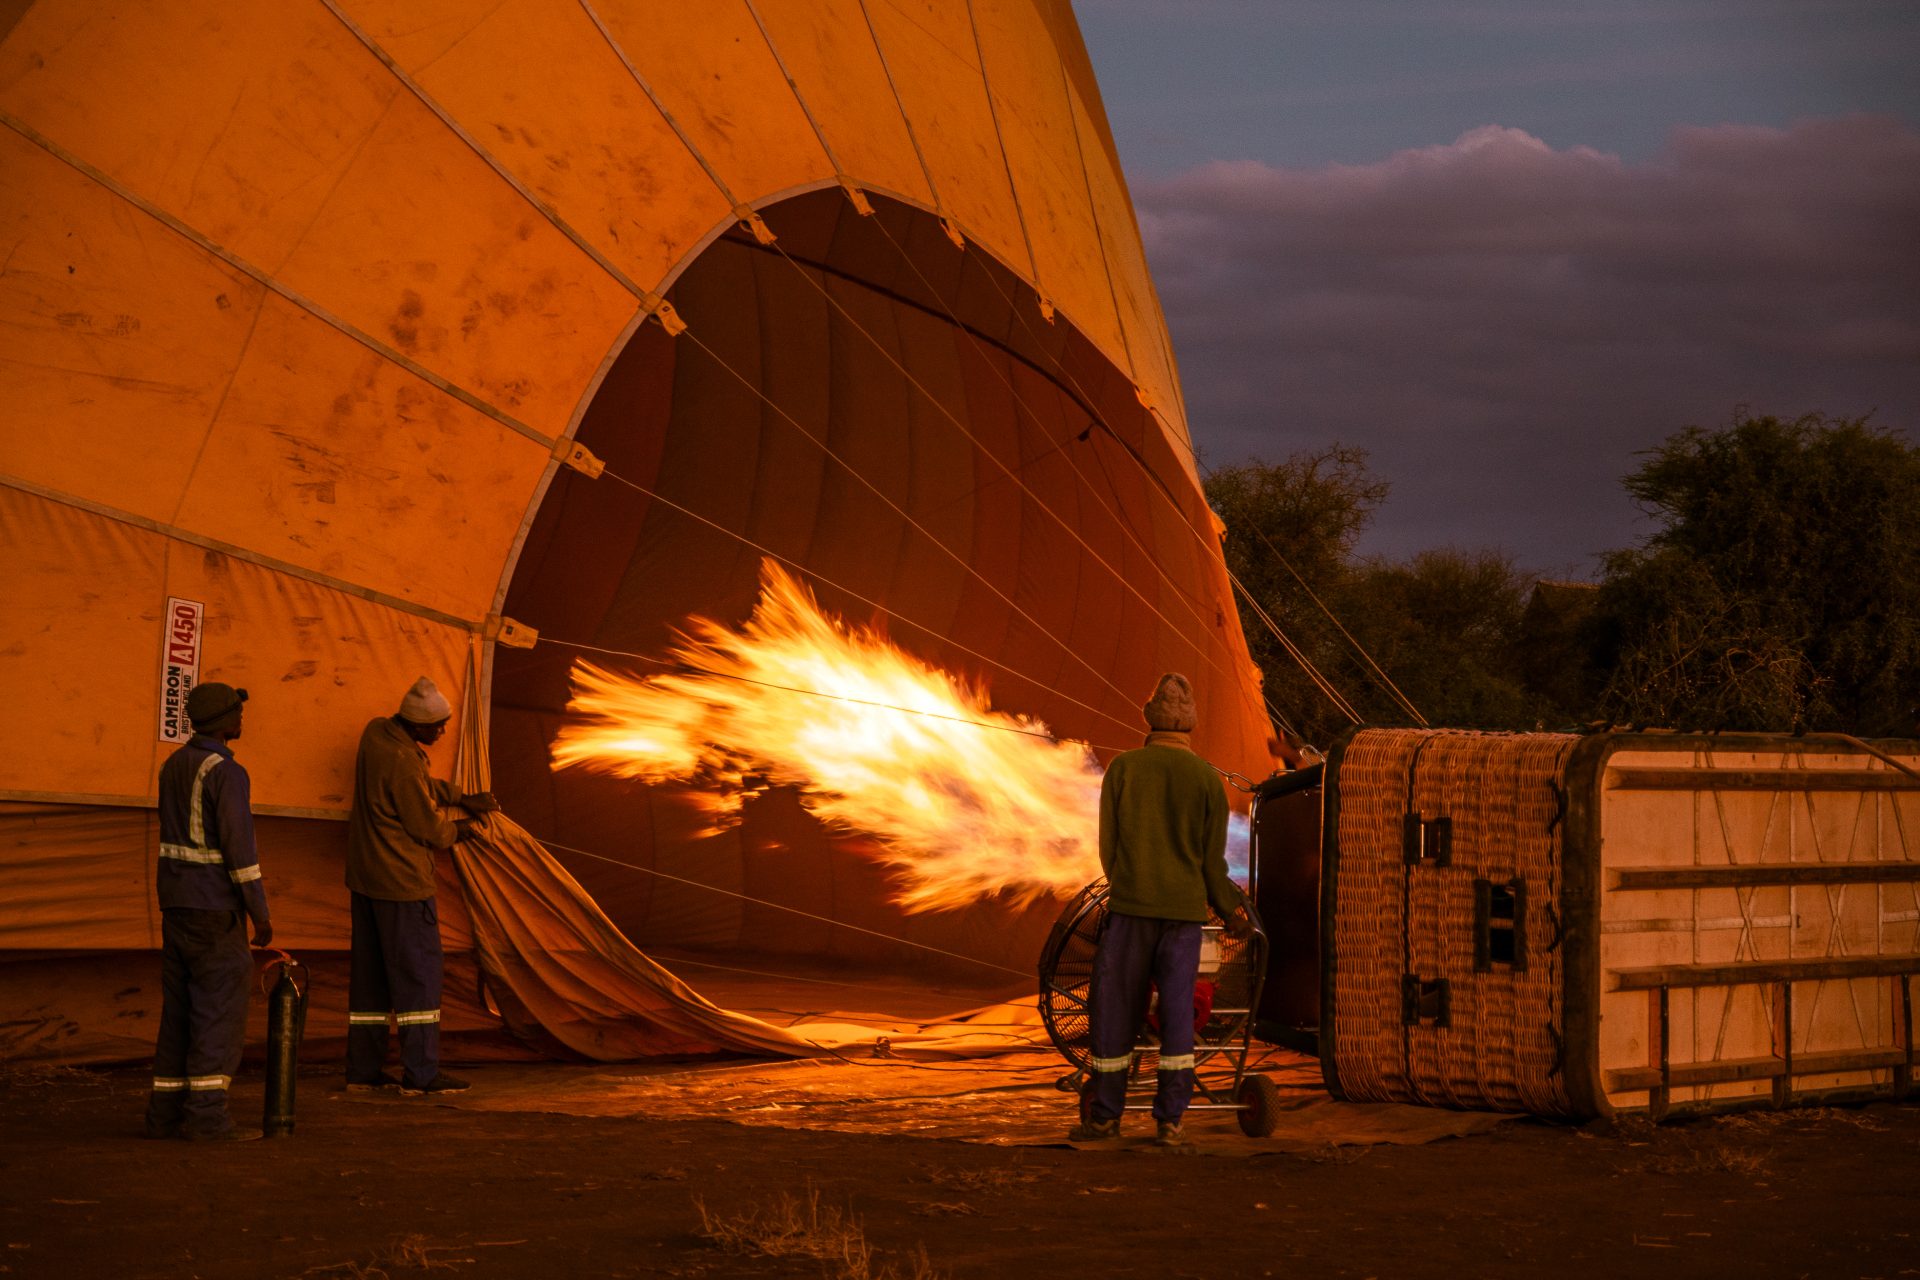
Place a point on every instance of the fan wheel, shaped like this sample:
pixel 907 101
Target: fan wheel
pixel 1260 1106
pixel 1066 973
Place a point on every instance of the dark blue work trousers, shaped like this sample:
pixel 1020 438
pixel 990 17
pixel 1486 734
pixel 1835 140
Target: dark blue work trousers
pixel 1136 951
pixel 206 977
pixel 396 970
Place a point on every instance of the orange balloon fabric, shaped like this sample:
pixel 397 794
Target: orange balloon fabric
pixel 322 314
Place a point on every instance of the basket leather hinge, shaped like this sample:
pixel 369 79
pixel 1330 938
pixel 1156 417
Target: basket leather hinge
pixel 1427 841
pixel 1426 1002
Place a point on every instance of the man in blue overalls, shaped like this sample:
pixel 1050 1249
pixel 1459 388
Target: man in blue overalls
pixel 396 826
pixel 208 885
pixel 1163 841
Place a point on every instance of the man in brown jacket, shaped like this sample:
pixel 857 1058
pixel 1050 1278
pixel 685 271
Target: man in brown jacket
pixel 395 828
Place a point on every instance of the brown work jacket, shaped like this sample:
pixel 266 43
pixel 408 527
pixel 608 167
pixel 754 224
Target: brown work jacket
pixel 396 824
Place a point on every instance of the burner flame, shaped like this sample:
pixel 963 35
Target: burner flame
pixel 966 803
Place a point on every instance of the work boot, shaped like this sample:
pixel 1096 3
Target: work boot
pixel 441 1083
pixel 223 1135
pixel 1171 1134
pixel 1091 1130
pixel 387 1080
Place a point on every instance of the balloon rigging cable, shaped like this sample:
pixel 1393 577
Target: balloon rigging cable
pixel 695 668
pixel 777 906
pixel 1085 400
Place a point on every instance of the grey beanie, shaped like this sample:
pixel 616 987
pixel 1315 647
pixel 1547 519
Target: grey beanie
pixel 425 704
pixel 1171 709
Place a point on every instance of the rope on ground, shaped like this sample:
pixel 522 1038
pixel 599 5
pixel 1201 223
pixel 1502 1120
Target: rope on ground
pixel 919 992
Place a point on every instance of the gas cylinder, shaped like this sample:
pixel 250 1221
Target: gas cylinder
pixel 286 1022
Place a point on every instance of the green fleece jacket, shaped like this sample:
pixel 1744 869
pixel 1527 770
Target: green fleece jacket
pixel 1163 833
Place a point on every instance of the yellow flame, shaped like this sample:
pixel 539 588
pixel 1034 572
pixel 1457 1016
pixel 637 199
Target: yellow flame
pixel 966 802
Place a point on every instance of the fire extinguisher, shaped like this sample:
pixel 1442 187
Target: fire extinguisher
pixel 286 1022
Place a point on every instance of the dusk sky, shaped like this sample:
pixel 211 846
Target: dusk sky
pixel 1507 244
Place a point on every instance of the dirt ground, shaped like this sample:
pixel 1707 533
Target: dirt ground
pixel 395 1187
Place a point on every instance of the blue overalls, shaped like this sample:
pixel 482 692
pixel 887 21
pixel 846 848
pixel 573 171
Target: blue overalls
pixel 1133 951
pixel 397 968
pixel 208 885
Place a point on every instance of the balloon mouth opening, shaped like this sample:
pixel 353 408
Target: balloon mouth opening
pixel 898 425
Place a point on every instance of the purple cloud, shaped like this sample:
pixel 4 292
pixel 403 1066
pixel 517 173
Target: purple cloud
pixel 1504 324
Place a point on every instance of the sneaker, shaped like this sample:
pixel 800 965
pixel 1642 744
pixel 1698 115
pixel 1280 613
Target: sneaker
pixel 1094 1131
pixel 1171 1134
pixel 162 1132
pixel 441 1083
pixel 224 1135
pixel 387 1080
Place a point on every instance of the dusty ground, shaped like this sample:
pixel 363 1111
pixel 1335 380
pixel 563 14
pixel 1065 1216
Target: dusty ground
pixel 403 1187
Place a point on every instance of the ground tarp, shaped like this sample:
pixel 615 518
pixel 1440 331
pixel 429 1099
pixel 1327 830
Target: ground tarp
pixel 1007 1100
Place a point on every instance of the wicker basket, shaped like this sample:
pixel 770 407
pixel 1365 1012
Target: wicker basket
pixel 1570 925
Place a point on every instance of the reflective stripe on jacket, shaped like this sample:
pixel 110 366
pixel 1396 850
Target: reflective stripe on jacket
pixel 208 861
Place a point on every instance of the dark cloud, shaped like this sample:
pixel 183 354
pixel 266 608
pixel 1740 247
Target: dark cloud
pixel 1504 324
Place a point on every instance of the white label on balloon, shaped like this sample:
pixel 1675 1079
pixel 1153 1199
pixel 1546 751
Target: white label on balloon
pixel 179 666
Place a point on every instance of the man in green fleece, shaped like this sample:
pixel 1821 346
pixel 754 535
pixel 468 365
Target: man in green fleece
pixel 1163 843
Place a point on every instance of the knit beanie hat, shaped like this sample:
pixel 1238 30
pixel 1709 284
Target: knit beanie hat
pixel 1171 709
pixel 425 704
pixel 211 705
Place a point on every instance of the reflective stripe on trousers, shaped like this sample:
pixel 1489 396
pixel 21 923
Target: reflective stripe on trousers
pixel 1134 953
pixel 415 1018
pixel 396 966
pixel 206 976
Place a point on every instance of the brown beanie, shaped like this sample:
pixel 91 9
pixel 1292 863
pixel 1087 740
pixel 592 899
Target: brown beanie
pixel 214 706
pixel 1171 708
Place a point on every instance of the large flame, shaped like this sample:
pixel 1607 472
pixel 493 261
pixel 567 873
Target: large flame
pixel 966 802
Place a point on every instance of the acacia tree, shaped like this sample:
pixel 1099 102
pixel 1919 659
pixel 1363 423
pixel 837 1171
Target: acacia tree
pixel 1447 626
pixel 1291 528
pixel 1782 590
pixel 1441 627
